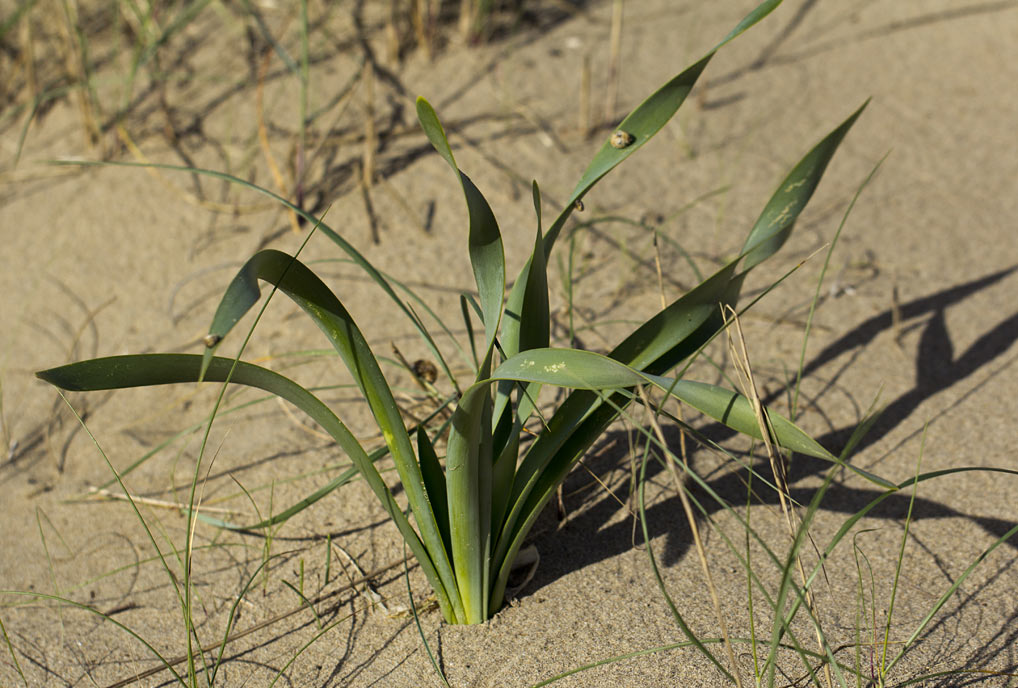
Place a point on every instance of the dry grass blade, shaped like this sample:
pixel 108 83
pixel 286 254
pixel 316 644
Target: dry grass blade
pixel 263 138
pixel 99 493
pixel 778 463
pixel 614 63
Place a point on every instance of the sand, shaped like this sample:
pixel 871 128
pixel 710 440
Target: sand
pixel 917 312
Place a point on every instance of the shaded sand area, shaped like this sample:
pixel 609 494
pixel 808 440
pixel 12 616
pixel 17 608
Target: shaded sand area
pixel 917 313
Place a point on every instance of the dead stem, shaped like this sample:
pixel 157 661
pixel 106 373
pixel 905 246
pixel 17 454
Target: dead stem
pixel 740 358
pixel 614 63
pixel 583 121
pixel 263 138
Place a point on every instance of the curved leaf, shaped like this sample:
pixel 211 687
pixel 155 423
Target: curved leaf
pixel 304 287
pixel 779 215
pixel 434 482
pixel 648 118
pixel 487 256
pixel 577 369
pixel 142 370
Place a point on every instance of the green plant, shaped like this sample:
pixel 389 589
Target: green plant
pixel 473 513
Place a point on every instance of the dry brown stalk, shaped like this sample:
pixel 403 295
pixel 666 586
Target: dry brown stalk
pixel 740 358
pixel 263 137
pixel 614 63
pixel 584 118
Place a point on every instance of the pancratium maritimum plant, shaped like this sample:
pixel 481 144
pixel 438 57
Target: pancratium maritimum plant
pixel 471 512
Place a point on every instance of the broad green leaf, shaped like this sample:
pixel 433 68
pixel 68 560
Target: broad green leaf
pixel 583 417
pixel 779 215
pixel 144 370
pixel 679 330
pixel 534 321
pixel 435 132
pixel 648 118
pixel 530 326
pixel 577 369
pixel 671 336
pixel 674 334
pixel 434 482
pixel 504 470
pixel 736 411
pixel 485 242
pixel 642 124
pixel 571 368
pixel 469 452
pixel 468 469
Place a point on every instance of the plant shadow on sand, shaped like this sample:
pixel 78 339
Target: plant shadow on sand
pixel 596 520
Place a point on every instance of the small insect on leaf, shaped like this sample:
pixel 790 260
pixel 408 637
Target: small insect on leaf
pixel 578 204
pixel 425 370
pixel 622 139
pixel 211 340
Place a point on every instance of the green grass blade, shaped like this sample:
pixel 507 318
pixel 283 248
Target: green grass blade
pixel 794 406
pixel 417 620
pixel 686 630
pixel 942 600
pixel 10 22
pixel 7 639
pixel 849 524
pixel 288 513
pixel 105 617
pixel 334 484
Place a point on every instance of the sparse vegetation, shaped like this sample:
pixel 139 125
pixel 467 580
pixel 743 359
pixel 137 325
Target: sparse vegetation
pixel 476 472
